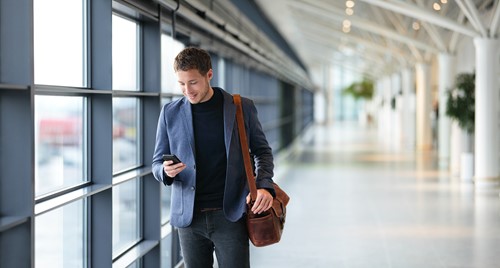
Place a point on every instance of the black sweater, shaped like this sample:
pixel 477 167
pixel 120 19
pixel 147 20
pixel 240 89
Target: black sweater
pixel 211 161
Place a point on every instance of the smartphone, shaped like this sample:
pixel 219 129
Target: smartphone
pixel 171 157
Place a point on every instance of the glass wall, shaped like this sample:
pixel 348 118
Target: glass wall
pixel 60 55
pixel 169 49
pixel 125 134
pixel 60 131
pixel 61 237
pixel 126 215
pixel 60 143
pixel 126 51
pixel 127 143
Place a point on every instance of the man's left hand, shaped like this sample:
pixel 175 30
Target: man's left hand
pixel 263 202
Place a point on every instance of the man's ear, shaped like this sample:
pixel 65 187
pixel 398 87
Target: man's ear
pixel 210 74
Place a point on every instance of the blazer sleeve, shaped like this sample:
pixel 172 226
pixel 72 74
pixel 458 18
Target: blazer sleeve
pixel 161 147
pixel 259 148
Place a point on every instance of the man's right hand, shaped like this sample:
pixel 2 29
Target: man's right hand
pixel 173 169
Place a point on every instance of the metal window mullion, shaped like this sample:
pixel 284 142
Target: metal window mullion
pixel 86 43
pixel 138 70
pixel 139 125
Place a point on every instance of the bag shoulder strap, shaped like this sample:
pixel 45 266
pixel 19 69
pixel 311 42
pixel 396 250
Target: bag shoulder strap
pixel 244 148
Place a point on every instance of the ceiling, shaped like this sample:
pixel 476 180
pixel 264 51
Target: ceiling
pixel 381 36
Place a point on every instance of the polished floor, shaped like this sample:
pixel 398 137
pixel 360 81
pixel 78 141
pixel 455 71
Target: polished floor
pixel 357 201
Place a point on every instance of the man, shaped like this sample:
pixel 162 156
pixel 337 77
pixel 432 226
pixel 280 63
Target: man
pixel 209 189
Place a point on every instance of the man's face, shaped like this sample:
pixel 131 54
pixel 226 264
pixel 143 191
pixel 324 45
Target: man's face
pixel 195 86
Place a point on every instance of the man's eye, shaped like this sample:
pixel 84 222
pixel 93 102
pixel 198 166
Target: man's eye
pixel 192 83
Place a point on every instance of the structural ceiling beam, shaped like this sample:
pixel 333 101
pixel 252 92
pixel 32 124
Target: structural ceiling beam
pixel 414 11
pixel 327 12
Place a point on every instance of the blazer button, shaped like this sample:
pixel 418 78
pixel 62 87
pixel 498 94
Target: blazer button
pixel 192 188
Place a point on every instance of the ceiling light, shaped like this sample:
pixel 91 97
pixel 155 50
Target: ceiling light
pixel 346 23
pixel 346 29
pixel 444 1
pixel 436 6
pixel 349 11
pixel 349 3
pixel 415 26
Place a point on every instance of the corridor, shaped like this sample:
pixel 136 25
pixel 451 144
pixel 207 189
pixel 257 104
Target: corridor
pixel 356 204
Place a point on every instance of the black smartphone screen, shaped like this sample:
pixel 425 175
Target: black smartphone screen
pixel 171 157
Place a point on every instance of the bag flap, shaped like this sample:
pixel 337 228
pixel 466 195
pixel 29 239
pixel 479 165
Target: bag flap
pixel 281 195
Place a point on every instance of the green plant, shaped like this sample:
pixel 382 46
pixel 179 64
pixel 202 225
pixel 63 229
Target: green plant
pixel 461 101
pixel 360 90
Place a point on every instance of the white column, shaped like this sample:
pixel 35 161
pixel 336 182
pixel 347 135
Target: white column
pixel 424 132
pixel 486 122
pixel 329 88
pixel 386 87
pixel 396 111
pixel 408 124
pixel 337 84
pixel 380 111
pixel 456 138
pixel 446 82
pixel 320 107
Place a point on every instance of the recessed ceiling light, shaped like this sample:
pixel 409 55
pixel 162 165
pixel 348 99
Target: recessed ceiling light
pixel 415 26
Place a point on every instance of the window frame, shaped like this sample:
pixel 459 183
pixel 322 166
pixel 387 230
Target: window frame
pixel 137 171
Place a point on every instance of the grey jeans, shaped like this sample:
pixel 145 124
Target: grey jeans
pixel 211 231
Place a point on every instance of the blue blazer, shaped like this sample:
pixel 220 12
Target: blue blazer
pixel 175 135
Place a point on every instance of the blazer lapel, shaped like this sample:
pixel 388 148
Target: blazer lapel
pixel 229 119
pixel 188 123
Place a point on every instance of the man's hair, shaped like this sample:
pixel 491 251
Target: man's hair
pixel 193 58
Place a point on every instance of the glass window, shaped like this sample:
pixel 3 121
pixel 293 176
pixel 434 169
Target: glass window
pixel 164 101
pixel 126 215
pixel 169 49
pixel 125 134
pixel 166 251
pixel 125 54
pixel 166 192
pixel 60 42
pixel 136 264
pixel 59 143
pixel 60 237
pixel 221 72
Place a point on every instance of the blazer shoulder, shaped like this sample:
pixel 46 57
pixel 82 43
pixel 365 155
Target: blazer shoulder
pixel 173 105
pixel 244 100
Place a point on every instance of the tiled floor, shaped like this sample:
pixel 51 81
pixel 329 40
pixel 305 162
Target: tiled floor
pixel 356 204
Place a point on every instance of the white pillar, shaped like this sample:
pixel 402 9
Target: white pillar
pixel 408 124
pixel 424 132
pixel 329 91
pixel 396 110
pixel 320 107
pixel 456 138
pixel 486 122
pixel 336 82
pixel 446 82
pixel 386 84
